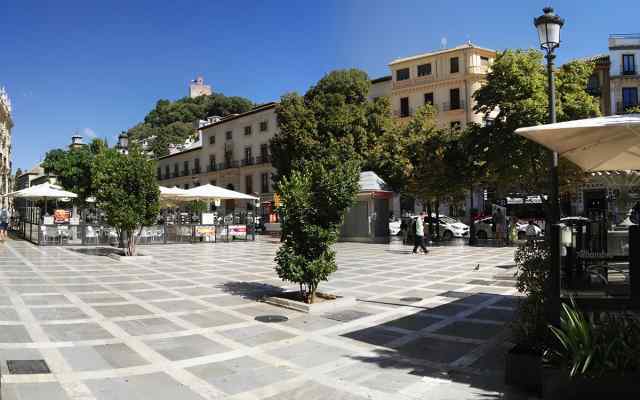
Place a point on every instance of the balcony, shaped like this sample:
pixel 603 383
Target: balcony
pixel 175 174
pixel 453 106
pixel 212 167
pixel 399 114
pixel 185 172
pixel 167 175
pixel 248 161
pixel 195 171
pixel 628 72
pixel 263 159
pixel 228 165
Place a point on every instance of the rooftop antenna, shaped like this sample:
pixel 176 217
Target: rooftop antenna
pixel 443 42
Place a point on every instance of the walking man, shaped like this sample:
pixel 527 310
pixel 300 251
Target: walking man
pixel 419 242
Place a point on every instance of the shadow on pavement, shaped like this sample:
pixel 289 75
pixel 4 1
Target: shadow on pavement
pixel 249 290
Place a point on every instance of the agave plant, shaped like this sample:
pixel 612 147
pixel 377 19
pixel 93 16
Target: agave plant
pixel 577 345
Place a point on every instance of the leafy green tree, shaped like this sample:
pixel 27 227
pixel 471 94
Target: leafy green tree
pixel 333 117
pixel 516 89
pixel 73 167
pixel 172 122
pixel 314 201
pixel 126 190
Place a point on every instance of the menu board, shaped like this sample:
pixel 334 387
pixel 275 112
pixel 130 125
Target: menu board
pixel 61 216
pixel 238 231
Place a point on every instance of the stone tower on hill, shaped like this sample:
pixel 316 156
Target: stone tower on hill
pixel 198 88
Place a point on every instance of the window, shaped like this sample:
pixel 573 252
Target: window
pixel 454 99
pixel 424 69
pixel 229 135
pixel 593 85
pixel 159 173
pixel 185 168
pixel 629 98
pixel 455 125
pixel 196 165
pixel 213 182
pixel 166 171
pixel 247 155
pixel 212 162
pixel 264 125
pixel 186 186
pixel 264 152
pixel 628 64
pixel 402 74
pixel 428 98
pixel 247 130
pixel 196 183
pixel 484 61
pixel 212 139
pixel 455 65
pixel 264 182
pixel 248 183
pixel 404 107
pixel 175 169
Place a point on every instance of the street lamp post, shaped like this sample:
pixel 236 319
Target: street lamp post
pixel 548 26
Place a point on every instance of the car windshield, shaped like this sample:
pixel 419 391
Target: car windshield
pixel 447 220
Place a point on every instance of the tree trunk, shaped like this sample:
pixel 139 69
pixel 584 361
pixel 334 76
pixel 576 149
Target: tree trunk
pixel 437 207
pixel 311 294
pixel 472 225
pixel 131 243
pixel 429 219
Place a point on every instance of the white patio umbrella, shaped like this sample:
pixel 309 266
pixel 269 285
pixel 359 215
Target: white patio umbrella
pixel 171 193
pixel 594 144
pixel 43 191
pixel 210 192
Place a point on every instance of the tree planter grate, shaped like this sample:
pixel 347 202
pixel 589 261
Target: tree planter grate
pixel 269 319
pixel 18 367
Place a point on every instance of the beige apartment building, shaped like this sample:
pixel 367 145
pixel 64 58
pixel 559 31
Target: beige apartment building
pixel 232 152
pixel 446 78
pixel 5 144
pixel 624 54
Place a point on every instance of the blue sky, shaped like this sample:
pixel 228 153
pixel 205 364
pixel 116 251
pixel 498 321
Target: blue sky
pixel 97 67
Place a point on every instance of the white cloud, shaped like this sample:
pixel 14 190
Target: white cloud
pixel 89 133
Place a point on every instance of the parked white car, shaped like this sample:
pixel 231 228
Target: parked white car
pixel 450 227
pixel 484 229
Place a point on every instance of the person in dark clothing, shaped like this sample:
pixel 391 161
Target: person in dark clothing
pixel 635 214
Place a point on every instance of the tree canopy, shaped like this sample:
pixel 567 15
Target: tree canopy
pixel 173 122
pixel 516 88
pixel 127 191
pixel 74 167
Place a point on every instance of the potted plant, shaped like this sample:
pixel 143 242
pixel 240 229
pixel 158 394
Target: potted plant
pixel 593 359
pixel 523 363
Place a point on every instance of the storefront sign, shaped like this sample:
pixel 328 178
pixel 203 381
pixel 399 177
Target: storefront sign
pixel 208 232
pixel 61 216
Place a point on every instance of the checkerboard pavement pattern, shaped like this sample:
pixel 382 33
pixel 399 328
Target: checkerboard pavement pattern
pixel 183 326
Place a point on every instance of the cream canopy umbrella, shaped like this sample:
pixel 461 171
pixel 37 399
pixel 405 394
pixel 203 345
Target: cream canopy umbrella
pixel 171 193
pixel 594 144
pixel 210 192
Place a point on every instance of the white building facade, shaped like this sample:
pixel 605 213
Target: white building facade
pixel 6 124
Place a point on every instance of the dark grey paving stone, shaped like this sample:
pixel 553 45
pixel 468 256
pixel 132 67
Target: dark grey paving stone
pixel 14 334
pixel 157 386
pixel 470 330
pixel 376 335
pixel 508 301
pixel 33 391
pixel 58 313
pixel 122 310
pixel 179 305
pixel 494 314
pixel 346 315
pixel 184 347
pixel 41 300
pixel 210 319
pixel 148 326
pixel 75 332
pixel 154 295
pixel 435 350
pixel 109 356
pixel 414 322
pixel 448 309
pixel 314 391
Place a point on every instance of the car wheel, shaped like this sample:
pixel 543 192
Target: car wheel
pixel 447 235
pixel 522 235
pixel 482 235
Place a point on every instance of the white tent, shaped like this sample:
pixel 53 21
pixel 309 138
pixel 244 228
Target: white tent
pixel 594 144
pixel 210 192
pixel 43 191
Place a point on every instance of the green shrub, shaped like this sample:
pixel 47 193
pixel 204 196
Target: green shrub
pixel 594 349
pixel 530 327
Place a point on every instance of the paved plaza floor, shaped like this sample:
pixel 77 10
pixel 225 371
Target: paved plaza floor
pixel 183 326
